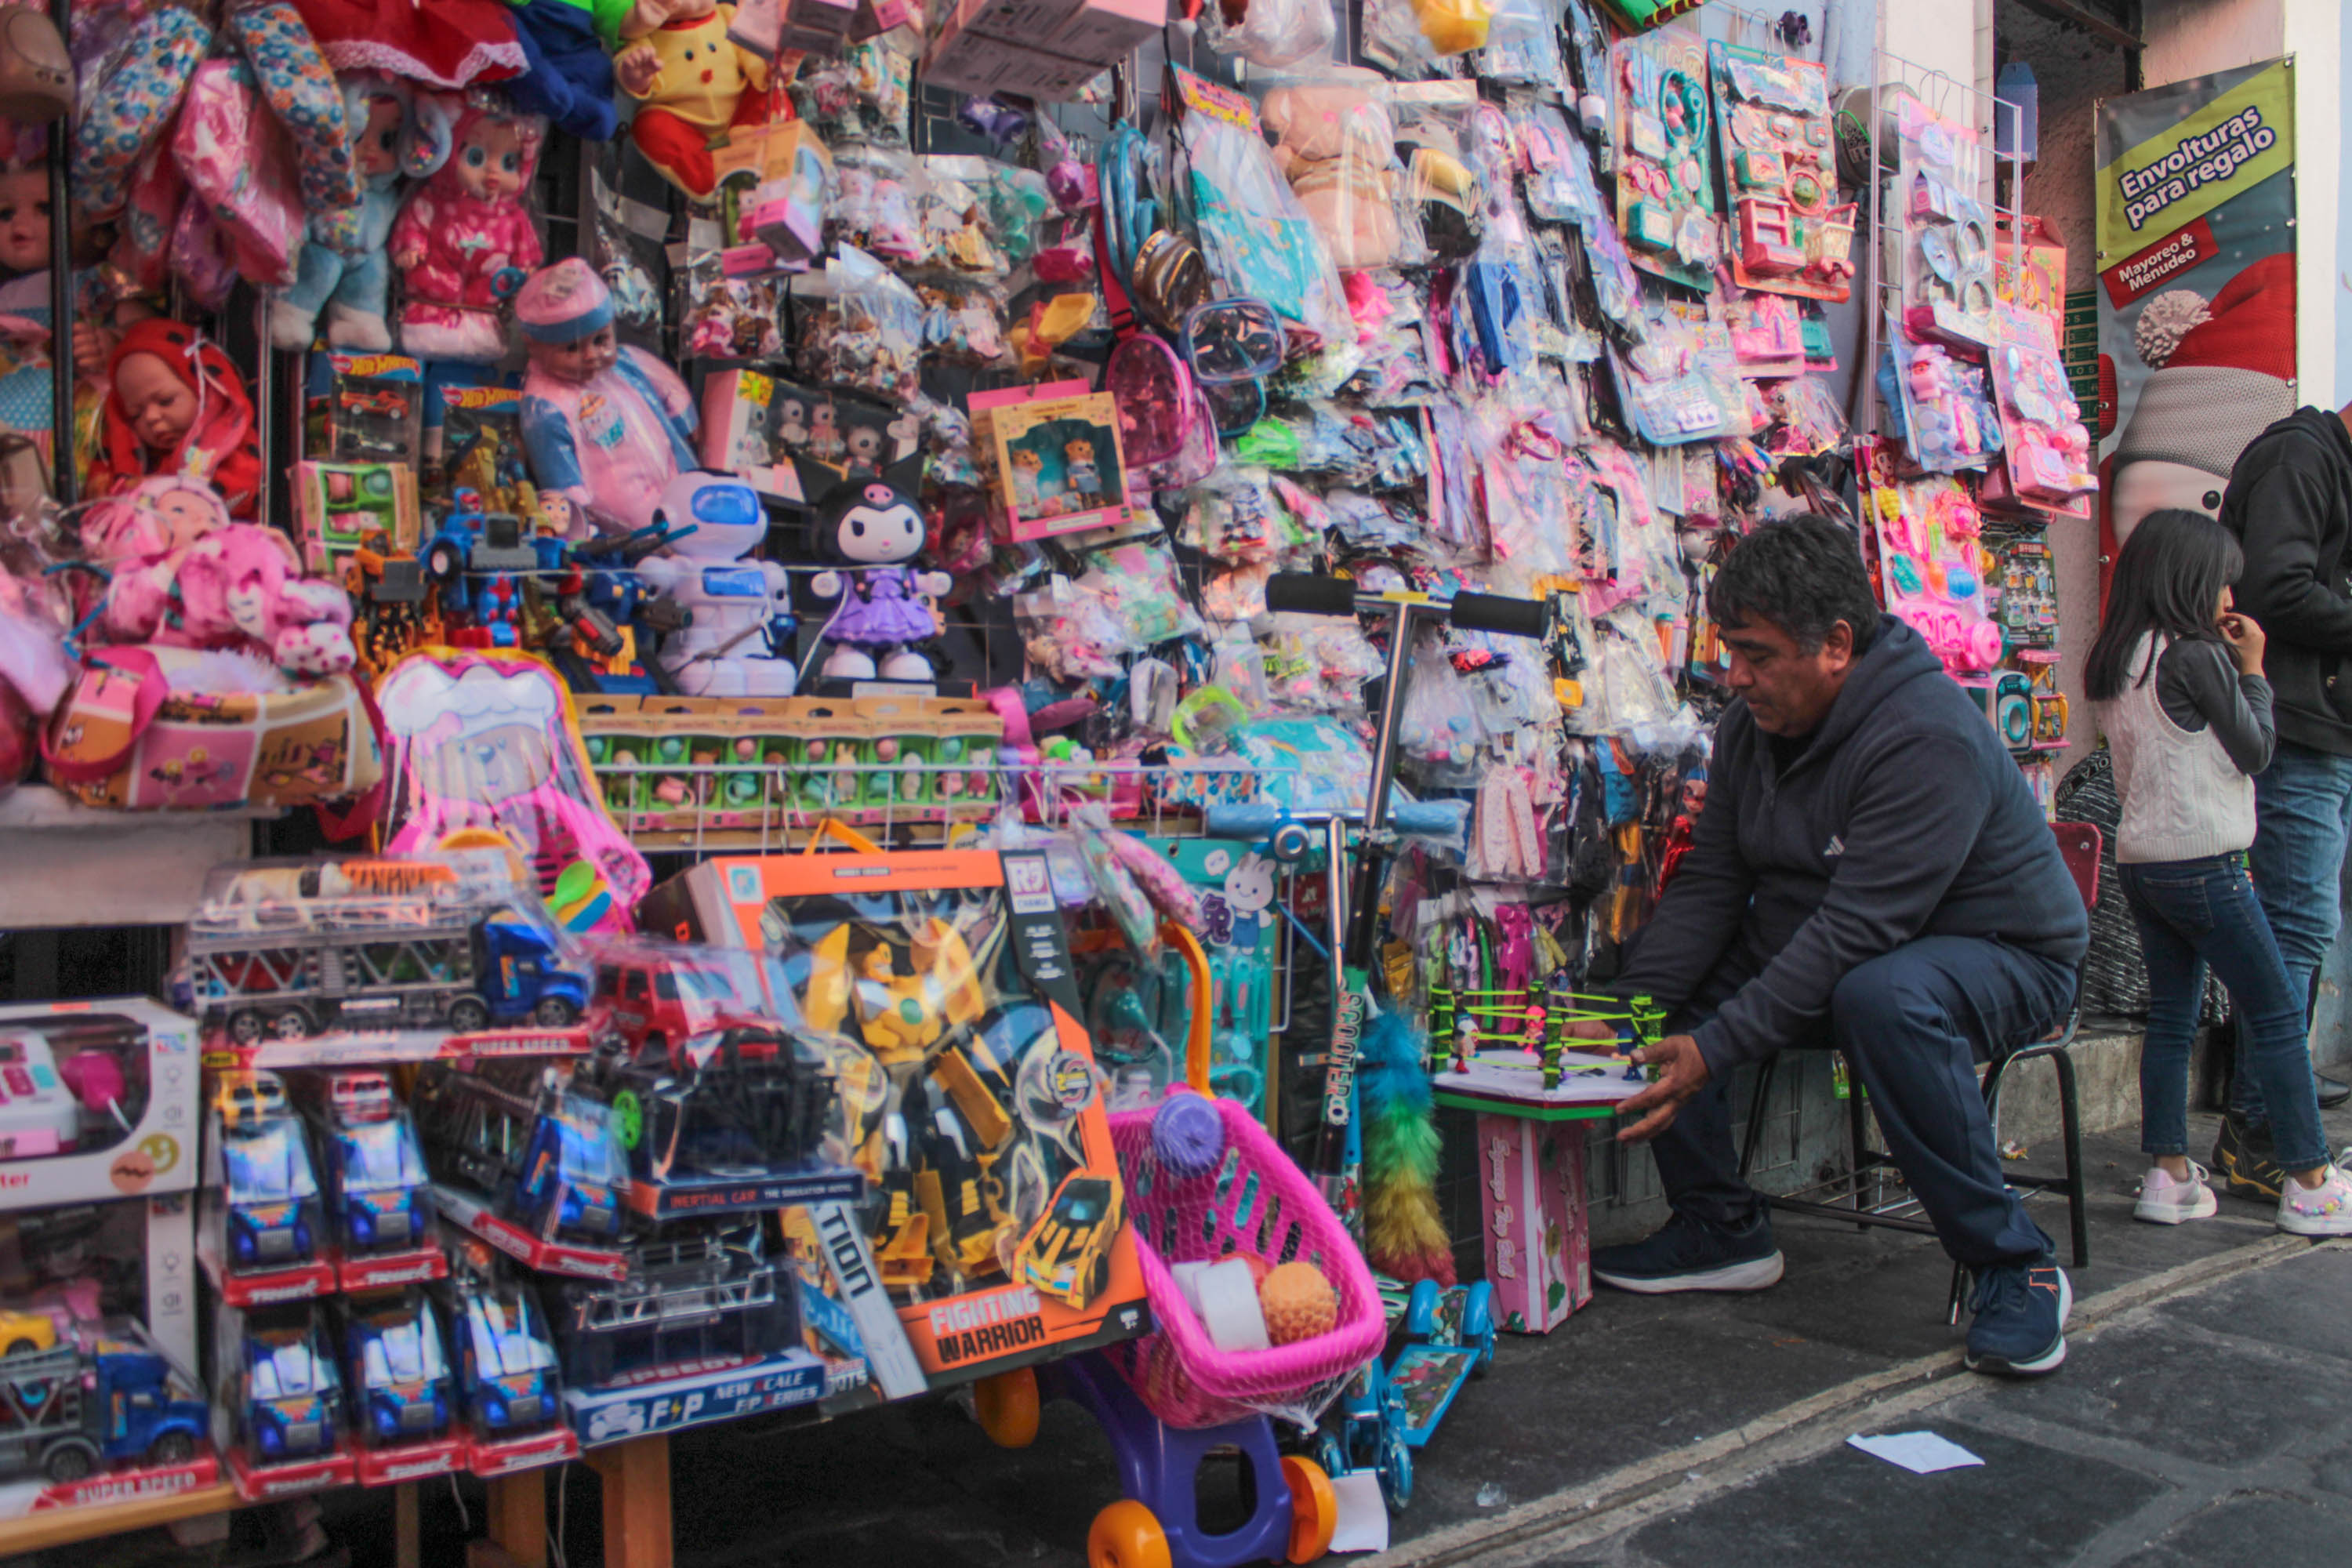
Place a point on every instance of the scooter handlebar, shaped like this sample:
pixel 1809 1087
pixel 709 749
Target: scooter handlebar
pixel 1299 592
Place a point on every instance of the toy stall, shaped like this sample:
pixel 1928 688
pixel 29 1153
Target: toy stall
pixel 793 704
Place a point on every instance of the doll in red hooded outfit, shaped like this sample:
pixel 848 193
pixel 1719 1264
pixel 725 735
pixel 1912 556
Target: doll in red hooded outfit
pixel 174 405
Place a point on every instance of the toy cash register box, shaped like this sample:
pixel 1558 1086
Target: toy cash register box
pixel 1000 1227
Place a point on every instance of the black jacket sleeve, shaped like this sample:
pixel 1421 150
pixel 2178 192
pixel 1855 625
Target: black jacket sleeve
pixel 1916 813
pixel 2199 686
pixel 1704 904
pixel 2282 586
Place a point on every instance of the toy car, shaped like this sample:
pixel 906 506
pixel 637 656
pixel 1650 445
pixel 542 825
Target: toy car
pixel 270 1189
pixel 243 1098
pixel 361 1096
pixel 741 1101
pixel 655 998
pixel 376 1173
pixel 506 1364
pixel 1069 1254
pixel 399 1371
pixel 22 1333
pixel 573 1173
pixel 291 1394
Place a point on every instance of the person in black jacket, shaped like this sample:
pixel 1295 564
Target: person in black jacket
pixel 2290 504
pixel 1872 872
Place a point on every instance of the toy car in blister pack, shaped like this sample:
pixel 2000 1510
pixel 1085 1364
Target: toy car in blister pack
pixel 268 1193
pixel 481 448
pixel 994 1192
pixel 106 1400
pixel 543 1157
pixel 292 958
pixel 367 409
pixel 379 1198
pixel 400 1379
pixel 699 1293
pixel 285 1396
pixel 1665 182
pixel 1790 235
pixel 506 1371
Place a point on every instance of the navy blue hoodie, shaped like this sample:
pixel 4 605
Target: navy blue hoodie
pixel 1904 818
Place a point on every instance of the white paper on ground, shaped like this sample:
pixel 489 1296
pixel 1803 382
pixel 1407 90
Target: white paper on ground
pixel 1363 1513
pixel 1921 1453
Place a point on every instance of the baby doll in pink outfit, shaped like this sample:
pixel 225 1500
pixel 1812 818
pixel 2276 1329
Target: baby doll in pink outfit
pixel 464 243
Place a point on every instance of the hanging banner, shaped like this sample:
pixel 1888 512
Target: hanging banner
pixel 2196 256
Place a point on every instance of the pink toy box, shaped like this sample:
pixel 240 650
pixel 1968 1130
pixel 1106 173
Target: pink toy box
pixel 1531 1193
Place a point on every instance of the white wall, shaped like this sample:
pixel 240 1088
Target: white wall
pixel 2312 31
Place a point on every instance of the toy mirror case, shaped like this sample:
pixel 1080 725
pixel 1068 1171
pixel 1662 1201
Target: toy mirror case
pixel 996 1217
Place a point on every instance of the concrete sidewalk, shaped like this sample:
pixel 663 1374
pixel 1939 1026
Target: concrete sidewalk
pixel 1571 1436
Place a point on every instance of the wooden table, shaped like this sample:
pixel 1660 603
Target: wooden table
pixel 635 1477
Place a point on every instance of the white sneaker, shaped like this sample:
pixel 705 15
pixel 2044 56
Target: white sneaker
pixel 2164 1201
pixel 2323 1210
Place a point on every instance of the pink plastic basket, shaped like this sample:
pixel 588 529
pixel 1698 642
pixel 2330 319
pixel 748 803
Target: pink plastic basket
pixel 1255 1201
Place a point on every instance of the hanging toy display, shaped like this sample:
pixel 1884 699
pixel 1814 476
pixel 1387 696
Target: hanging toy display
pixel 1789 234
pixel 1666 175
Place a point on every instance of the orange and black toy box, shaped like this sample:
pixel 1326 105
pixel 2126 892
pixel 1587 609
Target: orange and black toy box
pixel 942 981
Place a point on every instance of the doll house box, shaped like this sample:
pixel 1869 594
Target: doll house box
pixel 1001 1237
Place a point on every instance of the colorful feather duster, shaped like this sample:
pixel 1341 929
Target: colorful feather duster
pixel 1403 1235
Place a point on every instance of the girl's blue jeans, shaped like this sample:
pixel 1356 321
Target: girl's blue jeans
pixel 2197 913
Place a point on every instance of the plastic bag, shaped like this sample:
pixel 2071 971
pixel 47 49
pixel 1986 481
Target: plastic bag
pixel 1257 239
pixel 1270 33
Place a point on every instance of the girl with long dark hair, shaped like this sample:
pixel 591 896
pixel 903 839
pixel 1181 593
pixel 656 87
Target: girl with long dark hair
pixel 2177 682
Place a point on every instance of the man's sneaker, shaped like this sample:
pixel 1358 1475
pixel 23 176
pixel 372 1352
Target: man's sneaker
pixel 1690 1253
pixel 2021 1326
pixel 2247 1164
pixel 2323 1210
pixel 2163 1201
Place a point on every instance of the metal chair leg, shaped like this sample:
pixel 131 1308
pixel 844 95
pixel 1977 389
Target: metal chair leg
pixel 1857 1132
pixel 1755 1113
pixel 2070 1115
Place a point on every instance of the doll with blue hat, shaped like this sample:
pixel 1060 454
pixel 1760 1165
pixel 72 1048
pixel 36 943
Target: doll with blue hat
pixel 604 423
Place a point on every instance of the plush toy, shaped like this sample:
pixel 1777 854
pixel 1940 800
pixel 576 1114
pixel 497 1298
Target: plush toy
pixel 343 268
pixel 237 161
pixel 464 243
pixel 689 81
pixel 1404 1233
pixel 729 647
pixel 606 427
pixel 299 88
pixel 174 405
pixel 126 111
pixel 238 587
pixel 569 78
pixel 447 43
pixel 1337 144
pixel 870 527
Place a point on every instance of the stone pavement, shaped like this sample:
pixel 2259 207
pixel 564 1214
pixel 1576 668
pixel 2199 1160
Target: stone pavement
pixel 2207 1427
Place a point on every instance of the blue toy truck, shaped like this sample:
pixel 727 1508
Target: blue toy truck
pixel 291 1394
pixel 372 944
pixel 67 1412
pixel 506 1362
pixel 398 1370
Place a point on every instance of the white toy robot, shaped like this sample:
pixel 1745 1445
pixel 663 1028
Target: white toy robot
pixel 741 608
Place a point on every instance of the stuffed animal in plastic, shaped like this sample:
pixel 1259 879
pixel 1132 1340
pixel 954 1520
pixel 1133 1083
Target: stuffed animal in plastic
pixel 127 109
pixel 868 528
pixel 1337 144
pixel 174 405
pixel 689 81
pixel 237 161
pixel 606 426
pixel 343 268
pixel 238 587
pixel 464 243
pixel 731 647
